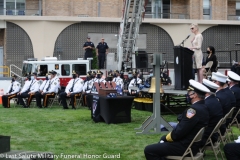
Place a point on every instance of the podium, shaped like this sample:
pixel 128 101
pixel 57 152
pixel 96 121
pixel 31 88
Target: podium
pixel 182 67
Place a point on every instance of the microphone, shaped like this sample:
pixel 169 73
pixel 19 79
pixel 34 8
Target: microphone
pixel 188 36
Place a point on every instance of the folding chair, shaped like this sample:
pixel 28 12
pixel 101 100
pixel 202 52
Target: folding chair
pixel 228 128
pixel 80 100
pixel 208 66
pixel 52 100
pixel 102 85
pixel 235 121
pixel 215 147
pixel 223 138
pixel 188 151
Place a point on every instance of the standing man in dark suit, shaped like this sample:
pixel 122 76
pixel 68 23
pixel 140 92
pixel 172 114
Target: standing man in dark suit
pixel 215 111
pixel 88 47
pixel 102 50
pixel 192 120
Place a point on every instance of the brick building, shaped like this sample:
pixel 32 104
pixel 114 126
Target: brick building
pixel 38 28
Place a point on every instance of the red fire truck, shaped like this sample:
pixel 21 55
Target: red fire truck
pixel 64 68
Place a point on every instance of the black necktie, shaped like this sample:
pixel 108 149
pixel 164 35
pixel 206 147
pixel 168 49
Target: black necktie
pixel 48 85
pixel 72 86
pixel 30 86
pixel 11 89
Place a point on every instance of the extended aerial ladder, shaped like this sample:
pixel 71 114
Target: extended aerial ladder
pixel 133 13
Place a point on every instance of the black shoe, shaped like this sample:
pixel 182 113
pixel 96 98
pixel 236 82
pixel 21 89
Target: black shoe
pixel 66 108
pixel 39 106
pixel 45 107
pixel 73 108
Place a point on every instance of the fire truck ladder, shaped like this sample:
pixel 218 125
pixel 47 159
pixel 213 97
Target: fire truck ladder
pixel 133 13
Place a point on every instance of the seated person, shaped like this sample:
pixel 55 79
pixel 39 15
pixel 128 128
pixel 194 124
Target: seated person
pixel 235 67
pixel 192 120
pixel 231 150
pixel 12 91
pixel 73 89
pixel 48 89
pixel 165 79
pixel 28 91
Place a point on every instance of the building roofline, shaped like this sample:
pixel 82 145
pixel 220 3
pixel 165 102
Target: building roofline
pixel 116 20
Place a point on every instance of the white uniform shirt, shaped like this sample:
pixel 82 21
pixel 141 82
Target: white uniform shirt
pixel 78 85
pixel 118 81
pixel 26 86
pixel 134 82
pixel 52 86
pixel 34 86
pixel 88 86
pixel 43 85
pixel 16 86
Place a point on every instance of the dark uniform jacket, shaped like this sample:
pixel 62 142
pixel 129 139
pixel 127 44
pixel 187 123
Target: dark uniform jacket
pixel 224 100
pixel 236 90
pixel 102 47
pixel 231 96
pixel 88 50
pixel 191 121
pixel 215 114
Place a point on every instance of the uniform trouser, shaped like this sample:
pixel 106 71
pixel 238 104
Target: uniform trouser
pixel 21 96
pixel 159 150
pixel 88 55
pixel 63 97
pixel 101 60
pixel 6 100
pixel 45 97
pixel 232 151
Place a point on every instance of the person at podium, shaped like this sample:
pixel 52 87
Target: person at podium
pixel 196 47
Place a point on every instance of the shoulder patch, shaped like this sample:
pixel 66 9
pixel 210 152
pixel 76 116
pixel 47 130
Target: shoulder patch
pixel 38 82
pixel 18 84
pixel 190 113
pixel 55 83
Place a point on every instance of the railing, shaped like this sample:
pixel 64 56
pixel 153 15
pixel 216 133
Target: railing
pixel 14 67
pixel 167 15
pixel 234 17
pixel 13 12
pixel 4 70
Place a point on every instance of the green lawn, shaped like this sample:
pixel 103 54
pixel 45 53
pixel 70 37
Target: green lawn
pixel 72 132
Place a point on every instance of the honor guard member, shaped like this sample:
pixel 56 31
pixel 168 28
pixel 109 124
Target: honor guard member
pixel 230 93
pixel 44 85
pixel 234 87
pixel 56 79
pixel 215 111
pixel 88 47
pixel 166 80
pixel 127 81
pixel 28 91
pixel 87 88
pixel 223 97
pixel 12 91
pixel 73 89
pixel 192 120
pixel 231 151
pixel 117 79
pixel 49 91
pixel 135 82
pixel 102 50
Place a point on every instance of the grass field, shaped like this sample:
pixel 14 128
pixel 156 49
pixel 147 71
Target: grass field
pixel 72 132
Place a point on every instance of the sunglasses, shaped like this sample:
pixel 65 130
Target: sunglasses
pixel 191 94
pixel 191 28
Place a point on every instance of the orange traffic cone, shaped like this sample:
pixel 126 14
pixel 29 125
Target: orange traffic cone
pixel 1 94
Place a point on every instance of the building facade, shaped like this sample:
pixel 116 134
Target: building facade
pixel 39 28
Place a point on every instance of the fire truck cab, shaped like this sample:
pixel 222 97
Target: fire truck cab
pixel 64 68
